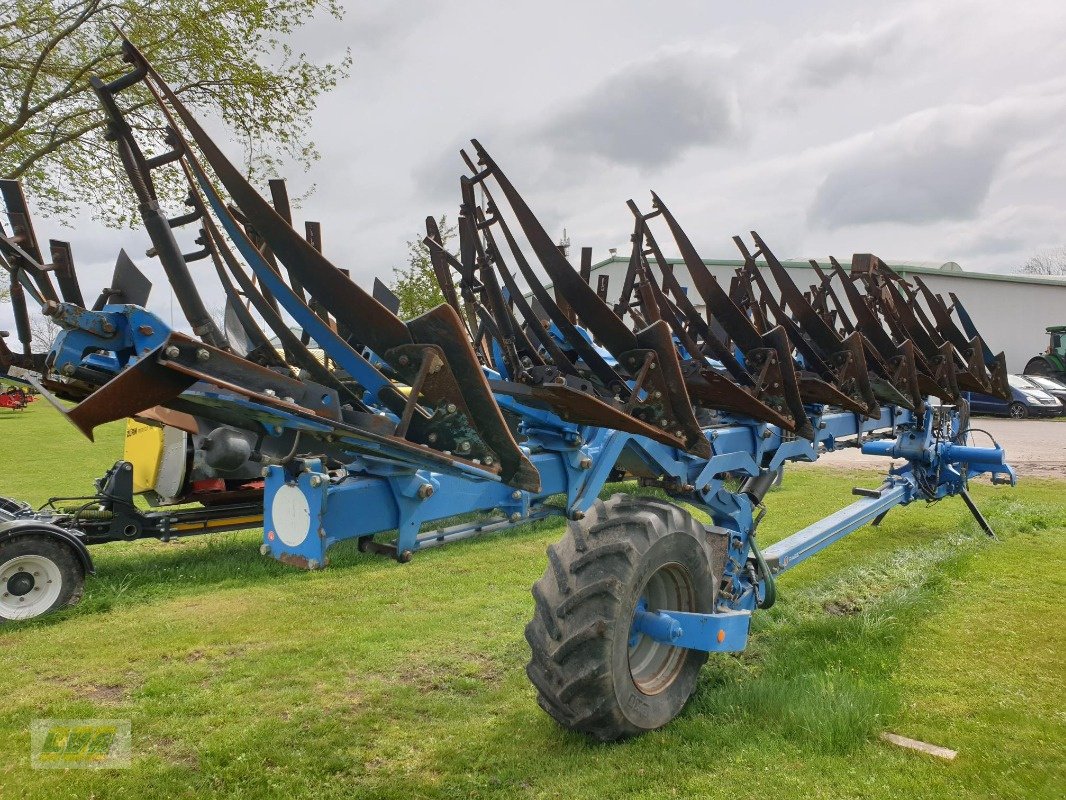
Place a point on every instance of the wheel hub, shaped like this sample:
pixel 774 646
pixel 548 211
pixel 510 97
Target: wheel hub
pixel 21 583
pixel 29 585
pixel 653 663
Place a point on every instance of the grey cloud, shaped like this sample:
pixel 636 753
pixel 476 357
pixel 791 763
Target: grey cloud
pixel 368 29
pixel 916 179
pixel 828 59
pixel 437 177
pixel 649 114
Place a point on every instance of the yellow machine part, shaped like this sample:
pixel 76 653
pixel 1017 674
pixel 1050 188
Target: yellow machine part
pixel 144 449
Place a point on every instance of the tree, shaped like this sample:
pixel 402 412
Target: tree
pixel 415 284
pixel 1046 262
pixel 43 331
pixel 228 58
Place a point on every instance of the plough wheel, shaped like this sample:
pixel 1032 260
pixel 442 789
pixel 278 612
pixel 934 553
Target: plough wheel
pixel 591 675
pixel 37 575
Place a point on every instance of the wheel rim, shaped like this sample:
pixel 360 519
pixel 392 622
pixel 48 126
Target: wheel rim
pixel 1017 411
pixel 29 585
pixel 654 665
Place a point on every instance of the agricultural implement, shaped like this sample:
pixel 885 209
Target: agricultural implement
pixel 15 398
pixel 495 402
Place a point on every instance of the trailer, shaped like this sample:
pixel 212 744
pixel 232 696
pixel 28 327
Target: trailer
pixel 501 408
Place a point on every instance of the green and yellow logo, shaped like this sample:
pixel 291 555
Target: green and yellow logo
pixel 66 743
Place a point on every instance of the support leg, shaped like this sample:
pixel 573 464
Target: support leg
pixel 977 515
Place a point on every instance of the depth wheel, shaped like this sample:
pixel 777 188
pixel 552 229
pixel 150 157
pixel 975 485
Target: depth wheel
pixel 592 674
pixel 37 575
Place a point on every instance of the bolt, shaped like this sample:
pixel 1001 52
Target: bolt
pixel 577 516
pixel 425 491
pixel 464 447
pixel 663 423
pixel 657 394
pixel 270 393
pixel 515 517
pixel 450 408
pixel 516 495
pixel 679 434
pixel 172 352
pixel 289 400
pixel 68 369
pixel 264 549
pixel 107 327
pixel 264 471
pixel 316 481
pixel 585 463
pixel 312 563
pixel 489 461
pixel 404 361
pixel 202 355
pixel 431 438
pixel 146 330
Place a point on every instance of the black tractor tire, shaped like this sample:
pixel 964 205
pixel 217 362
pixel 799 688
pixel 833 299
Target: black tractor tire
pixel 1038 365
pixel 1017 410
pixel 44 572
pixel 587 675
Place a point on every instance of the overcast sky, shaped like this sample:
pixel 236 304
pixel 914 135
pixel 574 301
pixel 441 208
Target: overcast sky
pixel 915 130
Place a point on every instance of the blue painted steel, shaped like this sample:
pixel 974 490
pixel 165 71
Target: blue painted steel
pixel 723 632
pixel 803 544
pixel 659 625
pixel 383 487
pixel 326 338
pixel 124 333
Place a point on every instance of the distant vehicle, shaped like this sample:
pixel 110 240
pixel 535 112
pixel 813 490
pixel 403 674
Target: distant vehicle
pixel 1053 386
pixel 1052 362
pixel 1027 400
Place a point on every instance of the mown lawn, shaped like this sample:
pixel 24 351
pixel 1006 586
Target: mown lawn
pixel 244 678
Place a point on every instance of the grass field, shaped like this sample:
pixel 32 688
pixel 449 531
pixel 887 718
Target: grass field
pixel 245 678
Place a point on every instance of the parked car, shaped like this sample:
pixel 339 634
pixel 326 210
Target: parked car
pixel 1027 400
pixel 1052 386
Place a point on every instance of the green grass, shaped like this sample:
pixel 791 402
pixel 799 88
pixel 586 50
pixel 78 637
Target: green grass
pixel 244 678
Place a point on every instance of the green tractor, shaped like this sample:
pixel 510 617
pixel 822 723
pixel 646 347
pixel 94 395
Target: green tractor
pixel 1052 362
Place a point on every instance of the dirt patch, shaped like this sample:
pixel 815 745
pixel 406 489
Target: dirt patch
pixel 842 608
pixel 174 752
pixel 460 675
pixel 108 694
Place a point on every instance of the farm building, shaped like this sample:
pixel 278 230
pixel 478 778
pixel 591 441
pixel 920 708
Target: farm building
pixel 1011 311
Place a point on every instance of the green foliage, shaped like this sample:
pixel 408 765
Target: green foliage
pixel 414 283
pixel 228 58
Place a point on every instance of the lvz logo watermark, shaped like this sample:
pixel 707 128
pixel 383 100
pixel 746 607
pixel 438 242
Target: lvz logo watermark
pixel 79 743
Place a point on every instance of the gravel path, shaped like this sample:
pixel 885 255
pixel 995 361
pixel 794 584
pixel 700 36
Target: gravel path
pixel 1035 447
